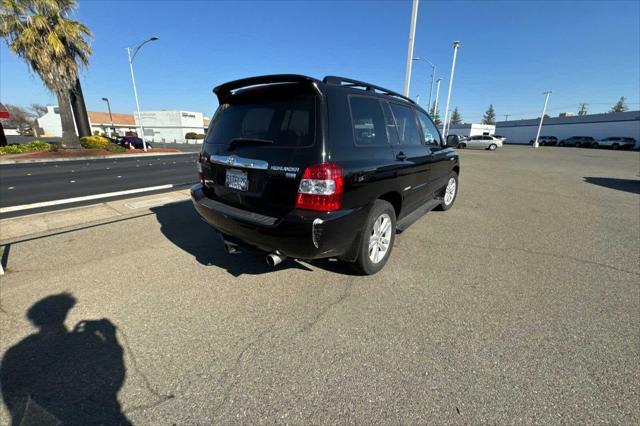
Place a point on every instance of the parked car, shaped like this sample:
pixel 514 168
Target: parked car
pixel 577 141
pixel 302 168
pixel 128 141
pixel 545 141
pixel 502 138
pixel 615 142
pixel 481 142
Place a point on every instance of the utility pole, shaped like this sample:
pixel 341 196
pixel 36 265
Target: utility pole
pixel 435 104
pixel 506 117
pixel 544 111
pixel 583 109
pixel 412 34
pixel 456 45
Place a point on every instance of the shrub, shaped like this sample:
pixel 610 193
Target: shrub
pixel 200 136
pixel 55 146
pixel 191 135
pixel 94 142
pixel 12 149
pixel 37 146
pixel 28 147
pixel 115 148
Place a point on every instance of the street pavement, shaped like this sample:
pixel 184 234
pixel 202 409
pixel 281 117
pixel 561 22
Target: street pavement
pixel 37 182
pixel 519 305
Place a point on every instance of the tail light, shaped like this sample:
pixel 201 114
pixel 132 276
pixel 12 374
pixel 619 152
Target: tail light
pixel 199 166
pixel 321 188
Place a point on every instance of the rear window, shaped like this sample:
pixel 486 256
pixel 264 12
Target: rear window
pixel 288 123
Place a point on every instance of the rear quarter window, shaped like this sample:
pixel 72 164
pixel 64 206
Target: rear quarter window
pixel 367 118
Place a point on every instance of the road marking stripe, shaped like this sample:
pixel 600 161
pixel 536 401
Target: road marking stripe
pixel 84 198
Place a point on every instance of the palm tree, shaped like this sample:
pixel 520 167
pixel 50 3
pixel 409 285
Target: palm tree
pixel 54 47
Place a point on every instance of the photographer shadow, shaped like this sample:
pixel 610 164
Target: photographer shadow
pixel 56 376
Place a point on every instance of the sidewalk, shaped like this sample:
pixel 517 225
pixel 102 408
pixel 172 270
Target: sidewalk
pixel 42 224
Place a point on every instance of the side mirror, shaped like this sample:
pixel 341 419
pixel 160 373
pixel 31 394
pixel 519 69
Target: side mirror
pixel 452 141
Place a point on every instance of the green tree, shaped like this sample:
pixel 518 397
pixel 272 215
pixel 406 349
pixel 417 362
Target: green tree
pixel 489 116
pixel 435 114
pixel 52 45
pixel 620 106
pixel 455 116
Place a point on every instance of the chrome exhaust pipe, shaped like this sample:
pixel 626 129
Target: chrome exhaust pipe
pixel 274 259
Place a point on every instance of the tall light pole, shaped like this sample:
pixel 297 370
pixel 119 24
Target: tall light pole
pixel 456 45
pixel 113 128
pixel 435 104
pixel 544 111
pixel 133 80
pixel 433 74
pixel 412 34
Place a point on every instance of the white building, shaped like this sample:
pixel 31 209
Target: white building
pixel 159 126
pixel 170 126
pixel 471 129
pixel 598 126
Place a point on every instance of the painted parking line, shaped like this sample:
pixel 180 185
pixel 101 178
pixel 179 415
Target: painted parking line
pixel 84 198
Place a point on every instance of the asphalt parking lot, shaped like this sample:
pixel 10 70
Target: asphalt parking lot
pixel 519 305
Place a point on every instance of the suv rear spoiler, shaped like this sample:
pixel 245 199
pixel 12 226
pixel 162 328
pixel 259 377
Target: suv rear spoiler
pixel 225 89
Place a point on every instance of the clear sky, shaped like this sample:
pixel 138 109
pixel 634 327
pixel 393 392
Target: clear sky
pixel 511 51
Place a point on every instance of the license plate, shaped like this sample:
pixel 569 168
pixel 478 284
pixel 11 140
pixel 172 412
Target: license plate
pixel 237 179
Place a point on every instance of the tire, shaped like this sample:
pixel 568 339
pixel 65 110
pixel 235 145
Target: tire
pixel 615 146
pixel 462 145
pixel 577 145
pixel 366 263
pixel 446 202
pixel 595 145
pixel 493 147
pixel 560 143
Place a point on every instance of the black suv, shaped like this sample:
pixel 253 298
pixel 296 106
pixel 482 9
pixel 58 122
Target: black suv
pixel 577 141
pixel 309 169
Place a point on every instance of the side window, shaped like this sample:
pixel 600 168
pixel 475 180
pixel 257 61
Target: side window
pixel 407 125
pixel 368 121
pixel 431 135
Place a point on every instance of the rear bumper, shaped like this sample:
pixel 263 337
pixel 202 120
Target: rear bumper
pixel 333 234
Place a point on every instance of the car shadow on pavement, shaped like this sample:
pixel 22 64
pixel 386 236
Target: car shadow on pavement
pixel 627 185
pixel 59 376
pixel 181 224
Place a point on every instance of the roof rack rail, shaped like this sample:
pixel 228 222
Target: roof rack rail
pixel 225 89
pixel 332 79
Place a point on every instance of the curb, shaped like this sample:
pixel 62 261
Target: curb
pixel 40 225
pixel 98 157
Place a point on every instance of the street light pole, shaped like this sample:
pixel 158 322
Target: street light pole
pixel 412 33
pixel 456 45
pixel 435 104
pixel 135 90
pixel 433 74
pixel 544 111
pixel 113 127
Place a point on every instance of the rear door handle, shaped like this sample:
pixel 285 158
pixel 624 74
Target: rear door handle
pixel 400 156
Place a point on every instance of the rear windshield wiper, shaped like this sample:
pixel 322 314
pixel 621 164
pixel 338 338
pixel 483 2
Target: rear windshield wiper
pixel 247 141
